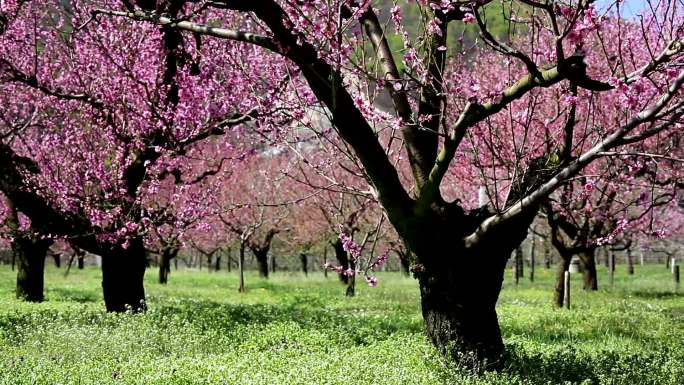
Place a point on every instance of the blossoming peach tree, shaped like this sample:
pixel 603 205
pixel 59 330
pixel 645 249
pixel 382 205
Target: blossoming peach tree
pixel 517 113
pixel 94 127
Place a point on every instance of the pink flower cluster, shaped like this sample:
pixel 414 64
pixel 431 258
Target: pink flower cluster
pixel 619 229
pixel 350 246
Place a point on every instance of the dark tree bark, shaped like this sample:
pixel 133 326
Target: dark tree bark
pixel 260 250
pixel 518 264
pixel 630 262
pixel 405 257
pixel 547 255
pixel 342 259
pixel 81 259
pixel 589 276
pixel 305 263
pixel 57 257
pixel 123 272
pixel 611 268
pixel 459 295
pixel 262 262
pixel 520 261
pixel 404 260
pixel 168 254
pixel 30 254
pixel 533 250
pixel 217 264
pixel 273 264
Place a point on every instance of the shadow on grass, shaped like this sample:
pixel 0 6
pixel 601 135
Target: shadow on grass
pixel 72 294
pixel 651 294
pixel 308 312
pixel 564 364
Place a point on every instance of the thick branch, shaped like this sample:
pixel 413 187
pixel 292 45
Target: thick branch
pixel 575 167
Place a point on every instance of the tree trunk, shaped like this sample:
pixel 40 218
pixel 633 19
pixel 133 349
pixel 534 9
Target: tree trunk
pixel 517 264
pixel 532 257
pixel 342 260
pixel 305 263
pixel 325 261
pixel 351 281
pixel 123 272
pixel 30 257
pixel 164 269
pixel 589 275
pixel 262 263
pixel 241 269
pixel 630 262
pixel 458 305
pixel 405 261
pixel 217 264
pixel 81 260
pixel 168 254
pixel 611 268
pixel 547 255
pixel 57 257
pixel 559 291
pixel 273 264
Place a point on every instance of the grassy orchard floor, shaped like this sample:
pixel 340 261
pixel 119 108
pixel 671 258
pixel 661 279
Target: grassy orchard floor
pixel 291 330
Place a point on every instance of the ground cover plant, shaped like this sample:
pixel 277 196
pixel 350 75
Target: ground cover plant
pixel 294 330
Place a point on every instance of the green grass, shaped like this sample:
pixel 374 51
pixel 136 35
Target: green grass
pixel 292 330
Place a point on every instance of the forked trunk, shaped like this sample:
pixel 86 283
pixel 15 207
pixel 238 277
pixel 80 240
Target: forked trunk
pixel 30 257
pixel 123 271
pixel 589 273
pixel 262 263
pixel 165 264
pixel 164 270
